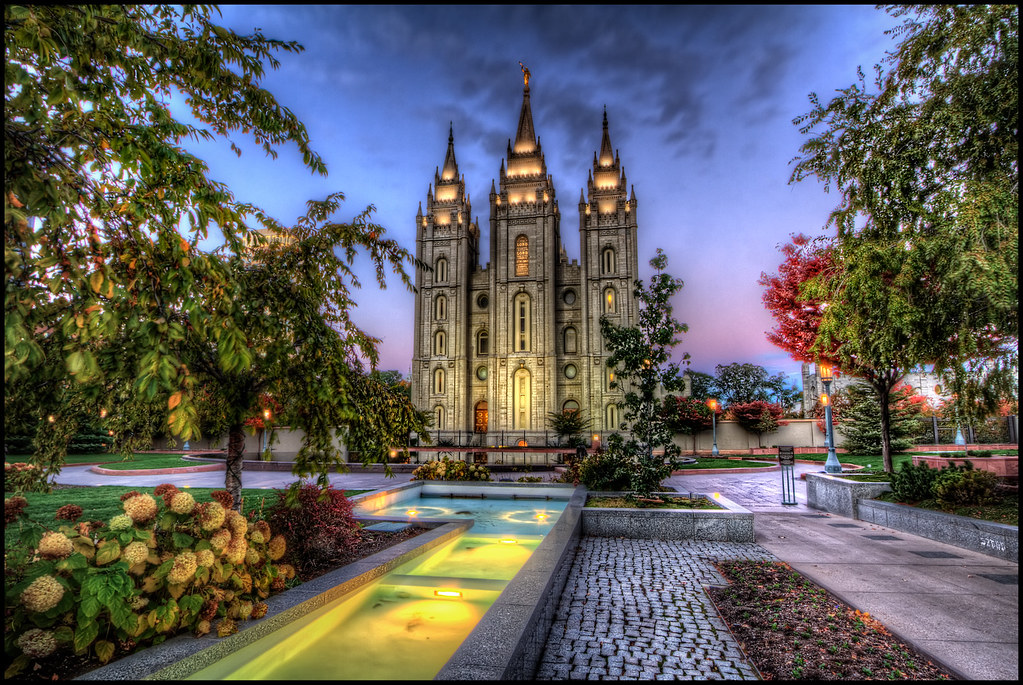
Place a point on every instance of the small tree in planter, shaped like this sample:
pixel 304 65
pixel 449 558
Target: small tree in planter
pixel 758 417
pixel 568 424
pixel 641 358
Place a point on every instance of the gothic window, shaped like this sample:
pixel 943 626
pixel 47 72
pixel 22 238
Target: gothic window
pixel 438 382
pixel 610 301
pixel 482 343
pixel 522 323
pixel 609 378
pixel 570 405
pixel 440 347
pixel 522 256
pixel 608 263
pixel 441 308
pixel 570 340
pixel 441 271
pixel 611 417
pixel 521 396
pixel 439 417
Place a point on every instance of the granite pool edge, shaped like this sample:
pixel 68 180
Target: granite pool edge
pixel 509 640
pixel 185 655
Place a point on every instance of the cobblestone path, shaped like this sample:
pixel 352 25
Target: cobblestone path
pixel 636 609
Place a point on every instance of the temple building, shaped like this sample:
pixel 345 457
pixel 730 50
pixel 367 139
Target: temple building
pixel 498 347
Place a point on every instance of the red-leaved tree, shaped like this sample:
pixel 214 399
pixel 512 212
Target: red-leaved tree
pixel 758 417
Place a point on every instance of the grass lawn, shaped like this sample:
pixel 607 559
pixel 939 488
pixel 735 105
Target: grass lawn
pixel 104 458
pixel 713 463
pixel 153 461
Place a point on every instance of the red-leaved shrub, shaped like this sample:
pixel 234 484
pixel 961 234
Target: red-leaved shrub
pixel 319 529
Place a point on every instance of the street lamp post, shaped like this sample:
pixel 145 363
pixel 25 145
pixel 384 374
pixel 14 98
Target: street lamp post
pixel 827 375
pixel 266 430
pixel 713 404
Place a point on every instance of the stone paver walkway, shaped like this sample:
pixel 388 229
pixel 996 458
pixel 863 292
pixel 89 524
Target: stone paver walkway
pixel 636 609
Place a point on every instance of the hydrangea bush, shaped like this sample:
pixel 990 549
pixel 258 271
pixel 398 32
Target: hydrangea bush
pixel 167 564
pixel 446 469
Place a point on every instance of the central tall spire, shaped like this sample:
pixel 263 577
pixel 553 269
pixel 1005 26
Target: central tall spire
pixel 525 138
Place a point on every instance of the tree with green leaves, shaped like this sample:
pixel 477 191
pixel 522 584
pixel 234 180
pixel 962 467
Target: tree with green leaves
pixel 701 385
pixel 926 167
pixel 861 420
pixel 104 208
pixel 642 359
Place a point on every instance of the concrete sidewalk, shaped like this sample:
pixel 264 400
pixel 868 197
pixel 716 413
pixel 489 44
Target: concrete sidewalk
pixel 958 607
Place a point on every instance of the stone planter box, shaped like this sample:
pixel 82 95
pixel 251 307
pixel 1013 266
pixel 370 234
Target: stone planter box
pixel 1003 467
pixel 733 523
pixel 985 537
pixel 855 500
pixel 838 495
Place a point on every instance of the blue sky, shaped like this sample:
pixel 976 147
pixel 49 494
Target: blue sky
pixel 700 102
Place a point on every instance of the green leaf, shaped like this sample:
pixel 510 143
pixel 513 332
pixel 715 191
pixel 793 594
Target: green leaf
pixel 181 540
pixel 104 650
pixel 84 636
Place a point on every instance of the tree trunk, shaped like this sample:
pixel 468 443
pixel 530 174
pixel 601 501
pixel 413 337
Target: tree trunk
pixel 235 457
pixel 884 396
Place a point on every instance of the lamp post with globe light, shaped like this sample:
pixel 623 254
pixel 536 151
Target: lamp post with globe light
pixel 827 374
pixel 713 404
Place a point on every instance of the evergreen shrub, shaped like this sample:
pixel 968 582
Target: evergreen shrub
pixel 965 486
pixel 609 468
pixel 913 483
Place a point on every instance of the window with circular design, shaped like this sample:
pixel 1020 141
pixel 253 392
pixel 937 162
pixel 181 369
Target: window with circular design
pixel 481 373
pixel 568 297
pixel 483 301
pixel 570 371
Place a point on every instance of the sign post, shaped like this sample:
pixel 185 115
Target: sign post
pixel 787 461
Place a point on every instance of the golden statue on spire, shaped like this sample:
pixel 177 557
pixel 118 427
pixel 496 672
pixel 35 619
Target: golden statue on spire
pixel 525 74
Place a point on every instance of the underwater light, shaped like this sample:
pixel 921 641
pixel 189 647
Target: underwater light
pixel 541 516
pixel 411 512
pixel 447 593
pixel 509 542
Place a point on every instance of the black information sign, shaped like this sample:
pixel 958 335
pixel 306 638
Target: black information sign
pixel 786 455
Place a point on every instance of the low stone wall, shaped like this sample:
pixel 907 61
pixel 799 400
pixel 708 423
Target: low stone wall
pixel 509 640
pixel 855 500
pixel 838 495
pixel 733 523
pixel 985 537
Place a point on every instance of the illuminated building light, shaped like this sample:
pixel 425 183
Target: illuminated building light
pixel 447 193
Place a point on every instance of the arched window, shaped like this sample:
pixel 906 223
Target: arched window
pixel 610 301
pixel 611 417
pixel 570 340
pixel 438 382
pixel 570 405
pixel 438 414
pixel 440 346
pixel 608 263
pixel 609 378
pixel 441 271
pixel 522 392
pixel 482 343
pixel 440 310
pixel 522 323
pixel 522 256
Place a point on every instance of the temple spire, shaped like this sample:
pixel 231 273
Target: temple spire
pixel 525 138
pixel 450 165
pixel 606 156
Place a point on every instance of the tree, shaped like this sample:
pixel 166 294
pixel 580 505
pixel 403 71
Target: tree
pixel 927 223
pixel 687 415
pixel 757 417
pixel 701 385
pixel 104 210
pixel 641 358
pixel 569 424
pixel 861 420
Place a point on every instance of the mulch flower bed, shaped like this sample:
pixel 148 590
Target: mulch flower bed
pixel 792 629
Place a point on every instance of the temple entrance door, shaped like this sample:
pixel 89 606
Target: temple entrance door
pixel 480 417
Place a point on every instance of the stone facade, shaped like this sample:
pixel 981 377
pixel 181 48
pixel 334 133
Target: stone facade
pixel 498 347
